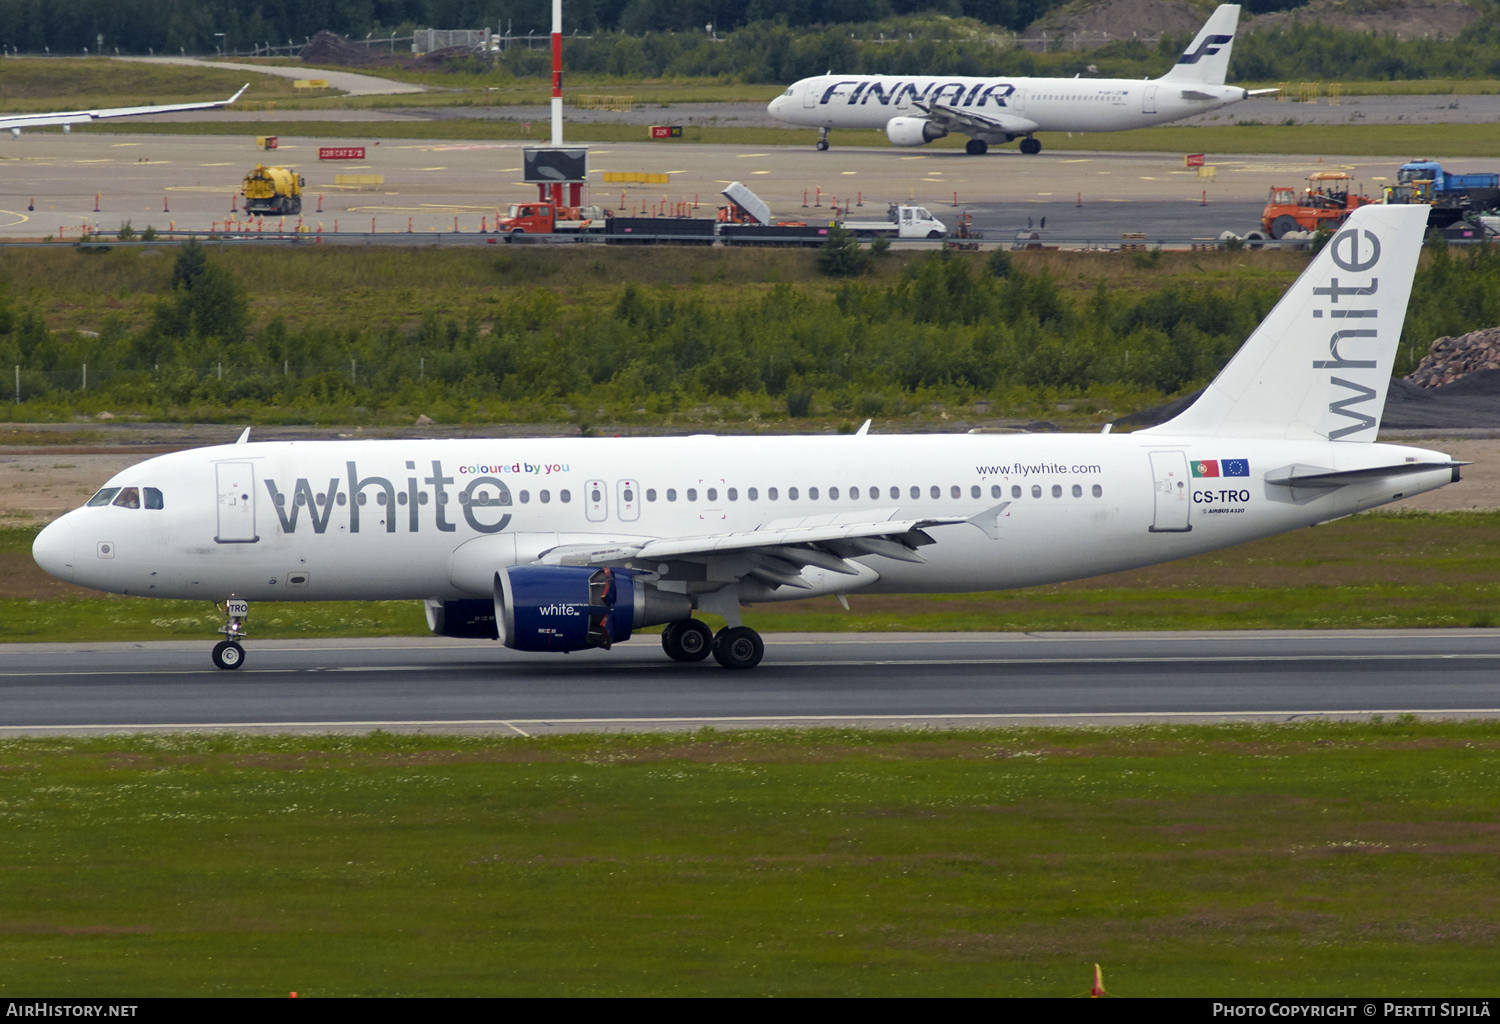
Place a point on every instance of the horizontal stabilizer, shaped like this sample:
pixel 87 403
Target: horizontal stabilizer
pixel 1314 476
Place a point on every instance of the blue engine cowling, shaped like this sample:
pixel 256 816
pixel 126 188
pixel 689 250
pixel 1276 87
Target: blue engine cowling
pixel 563 607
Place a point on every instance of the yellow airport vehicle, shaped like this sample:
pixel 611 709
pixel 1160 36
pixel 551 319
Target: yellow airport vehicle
pixel 275 190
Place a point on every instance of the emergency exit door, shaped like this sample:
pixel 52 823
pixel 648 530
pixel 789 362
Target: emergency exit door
pixel 596 500
pixel 628 500
pixel 236 487
pixel 1174 498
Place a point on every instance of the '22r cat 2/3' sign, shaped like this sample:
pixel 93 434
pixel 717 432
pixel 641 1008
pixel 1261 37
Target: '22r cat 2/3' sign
pixel 341 152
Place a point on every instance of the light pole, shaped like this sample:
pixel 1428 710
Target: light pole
pixel 223 42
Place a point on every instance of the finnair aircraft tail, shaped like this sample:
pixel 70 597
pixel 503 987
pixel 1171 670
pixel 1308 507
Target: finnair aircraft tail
pixel 1207 59
pixel 1319 365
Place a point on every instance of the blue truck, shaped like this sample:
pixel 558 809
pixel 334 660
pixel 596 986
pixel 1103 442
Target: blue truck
pixel 1451 196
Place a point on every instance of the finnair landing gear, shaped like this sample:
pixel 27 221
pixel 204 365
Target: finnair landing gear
pixel 738 647
pixel 687 640
pixel 977 147
pixel 1030 146
pixel 228 653
pixel 822 139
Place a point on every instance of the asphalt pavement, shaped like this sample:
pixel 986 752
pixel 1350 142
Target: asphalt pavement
pixel 881 680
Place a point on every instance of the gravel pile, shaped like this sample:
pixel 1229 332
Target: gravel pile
pixel 332 48
pixel 1451 358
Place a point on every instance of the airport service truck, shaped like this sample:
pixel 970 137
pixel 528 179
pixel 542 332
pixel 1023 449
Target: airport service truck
pixel 1451 196
pixel 542 218
pixel 901 221
pixel 273 190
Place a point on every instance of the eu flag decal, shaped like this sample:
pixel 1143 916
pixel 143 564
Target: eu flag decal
pixel 1206 467
pixel 1235 467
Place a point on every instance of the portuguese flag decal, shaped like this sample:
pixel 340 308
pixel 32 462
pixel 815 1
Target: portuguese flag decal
pixel 1206 467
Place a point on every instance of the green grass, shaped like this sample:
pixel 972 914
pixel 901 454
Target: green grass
pixel 28 85
pixel 1450 140
pixel 1321 859
pixel 1377 570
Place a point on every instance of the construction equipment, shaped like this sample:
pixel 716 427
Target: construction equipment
pixel 1325 202
pixel 274 190
pixel 1451 196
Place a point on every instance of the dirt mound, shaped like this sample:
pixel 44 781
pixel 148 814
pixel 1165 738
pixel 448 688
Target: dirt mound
pixel 332 48
pixel 1404 19
pixel 1089 23
pixel 1451 358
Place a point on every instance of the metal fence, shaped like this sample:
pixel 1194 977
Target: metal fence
pixel 27 385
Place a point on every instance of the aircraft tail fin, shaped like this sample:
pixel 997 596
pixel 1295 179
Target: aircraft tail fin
pixel 1206 60
pixel 1319 364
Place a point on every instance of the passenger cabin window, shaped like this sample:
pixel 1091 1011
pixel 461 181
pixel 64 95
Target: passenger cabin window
pixel 671 494
pixel 153 498
pixel 1015 491
pixel 770 493
pixel 129 497
pixel 812 494
pixel 104 497
pixel 692 494
pixel 651 494
pixel 791 494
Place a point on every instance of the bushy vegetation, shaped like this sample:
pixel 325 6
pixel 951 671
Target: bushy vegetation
pixel 946 328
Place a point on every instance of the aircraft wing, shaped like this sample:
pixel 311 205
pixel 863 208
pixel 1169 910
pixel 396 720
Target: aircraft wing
pixel 17 121
pixel 778 553
pixel 971 121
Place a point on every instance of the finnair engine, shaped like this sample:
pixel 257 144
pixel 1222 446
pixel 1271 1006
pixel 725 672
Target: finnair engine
pixel 912 131
pixel 573 608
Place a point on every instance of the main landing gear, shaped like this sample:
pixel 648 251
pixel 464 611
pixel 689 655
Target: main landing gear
pixel 733 647
pixel 977 147
pixel 228 653
pixel 1030 146
pixel 822 140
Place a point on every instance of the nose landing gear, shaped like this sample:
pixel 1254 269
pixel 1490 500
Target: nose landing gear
pixel 228 653
pixel 822 140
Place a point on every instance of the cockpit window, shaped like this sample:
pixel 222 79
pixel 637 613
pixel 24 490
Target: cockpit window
pixel 153 497
pixel 103 497
pixel 129 497
pixel 790 90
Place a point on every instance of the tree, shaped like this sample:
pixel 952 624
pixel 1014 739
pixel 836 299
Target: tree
pixel 841 256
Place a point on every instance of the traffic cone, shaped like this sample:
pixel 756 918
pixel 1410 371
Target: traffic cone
pixel 232 206
pixel 320 202
pixel 31 204
pixel 1098 989
pixel 96 202
pixel 166 204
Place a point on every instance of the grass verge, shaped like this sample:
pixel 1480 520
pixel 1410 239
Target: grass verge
pixel 1452 140
pixel 1377 570
pixel 1189 861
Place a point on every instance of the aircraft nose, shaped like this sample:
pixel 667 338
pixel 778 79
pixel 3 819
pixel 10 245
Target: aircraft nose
pixel 53 549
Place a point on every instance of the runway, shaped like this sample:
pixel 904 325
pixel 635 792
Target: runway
pixel 881 680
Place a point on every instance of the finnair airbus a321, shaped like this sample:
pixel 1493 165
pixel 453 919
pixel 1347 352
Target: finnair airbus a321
pixel 564 545
pixel 916 111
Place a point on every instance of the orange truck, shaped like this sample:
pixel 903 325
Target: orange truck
pixel 1327 200
pixel 541 218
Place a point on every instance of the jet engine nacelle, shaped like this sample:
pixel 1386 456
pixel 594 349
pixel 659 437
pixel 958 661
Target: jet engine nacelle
pixel 466 620
pixel 572 608
pixel 912 131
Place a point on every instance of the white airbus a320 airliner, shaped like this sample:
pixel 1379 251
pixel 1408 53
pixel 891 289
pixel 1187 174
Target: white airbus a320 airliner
pixel 915 111
pixel 561 545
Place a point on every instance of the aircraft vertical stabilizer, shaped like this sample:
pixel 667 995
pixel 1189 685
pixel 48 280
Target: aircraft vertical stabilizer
pixel 1206 60
pixel 1319 364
